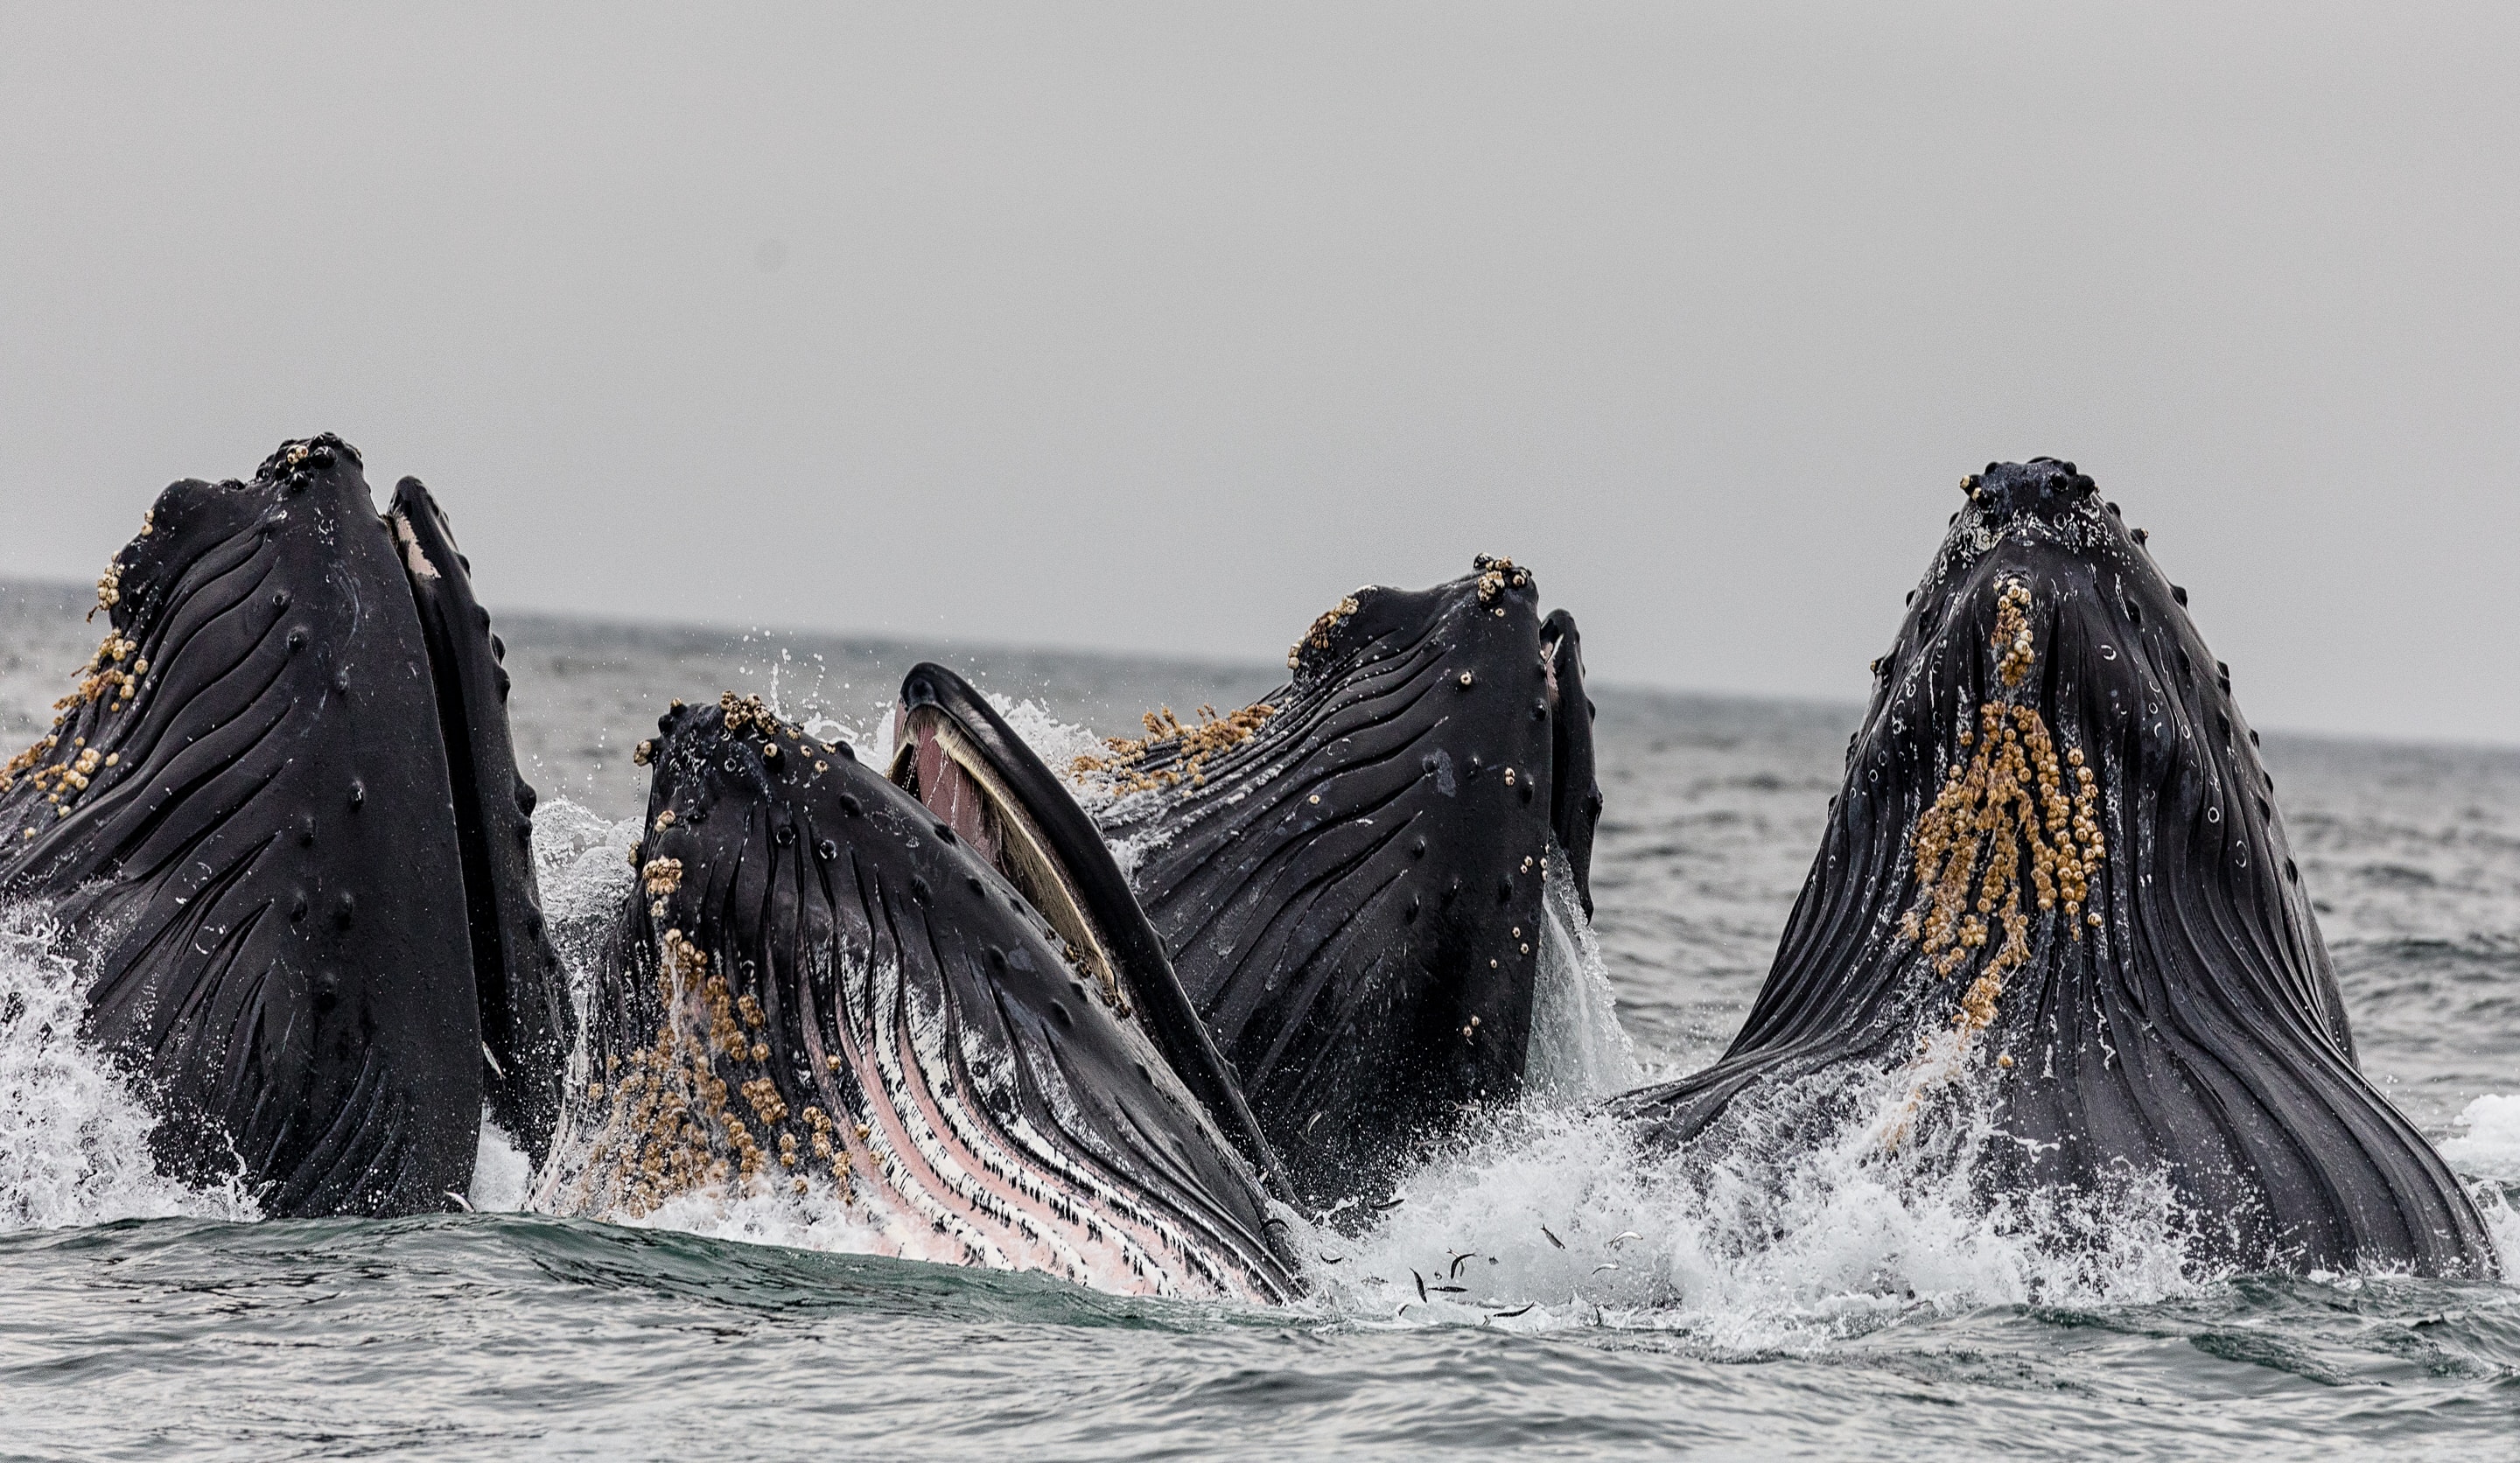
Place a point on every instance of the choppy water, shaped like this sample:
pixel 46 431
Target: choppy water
pixel 1854 1313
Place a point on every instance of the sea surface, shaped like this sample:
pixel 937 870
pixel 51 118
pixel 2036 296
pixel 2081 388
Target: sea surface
pixel 1607 1307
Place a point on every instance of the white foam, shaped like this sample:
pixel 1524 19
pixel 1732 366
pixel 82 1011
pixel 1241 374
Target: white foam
pixel 73 1138
pixel 2502 1222
pixel 1766 1243
pixel 2490 1146
pixel 501 1174
pixel 817 1219
pixel 582 862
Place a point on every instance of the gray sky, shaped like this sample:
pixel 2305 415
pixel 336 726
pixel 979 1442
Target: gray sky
pixel 1160 326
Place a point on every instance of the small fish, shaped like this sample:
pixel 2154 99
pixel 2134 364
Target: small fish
pixel 1456 1261
pixel 1394 1202
pixel 1504 1315
pixel 1606 1265
pixel 1552 1239
pixel 1421 1284
pixel 1624 1238
pixel 1449 1290
pixel 1309 1122
pixel 1330 1258
pixel 459 1201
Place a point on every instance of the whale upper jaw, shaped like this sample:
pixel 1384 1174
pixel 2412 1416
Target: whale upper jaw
pixel 820 986
pixel 2055 889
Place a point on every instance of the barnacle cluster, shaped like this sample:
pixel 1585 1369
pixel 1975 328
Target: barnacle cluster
pixel 2015 799
pixel 111 677
pixel 1319 637
pixel 33 756
pixel 672 1125
pixel 744 711
pixel 1496 573
pixel 60 782
pixel 108 584
pixel 1187 744
pixel 2012 633
pixel 661 877
pixel 114 670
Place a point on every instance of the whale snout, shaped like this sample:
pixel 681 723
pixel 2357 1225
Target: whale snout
pixel 2044 486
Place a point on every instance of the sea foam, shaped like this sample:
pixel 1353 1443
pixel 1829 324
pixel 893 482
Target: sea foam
pixel 74 1136
pixel 2488 1144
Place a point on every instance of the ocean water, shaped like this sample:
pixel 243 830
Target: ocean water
pixel 1579 1300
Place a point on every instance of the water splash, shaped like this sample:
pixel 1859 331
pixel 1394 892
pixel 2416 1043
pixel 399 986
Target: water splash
pixel 1058 743
pixel 820 1218
pixel 1578 1049
pixel 73 1138
pixel 2487 1150
pixel 1551 1218
pixel 501 1174
pixel 2489 1143
pixel 582 864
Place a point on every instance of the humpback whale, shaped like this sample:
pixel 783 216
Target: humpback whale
pixel 2055 893
pixel 822 983
pixel 1347 875
pixel 280 819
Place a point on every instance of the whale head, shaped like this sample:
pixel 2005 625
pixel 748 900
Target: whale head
pixel 1349 875
pixel 821 986
pixel 280 819
pixel 2055 889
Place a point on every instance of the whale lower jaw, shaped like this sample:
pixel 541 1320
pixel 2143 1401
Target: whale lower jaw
pixel 1007 1195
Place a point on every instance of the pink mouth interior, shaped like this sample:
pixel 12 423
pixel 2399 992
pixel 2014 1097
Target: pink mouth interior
pixel 945 789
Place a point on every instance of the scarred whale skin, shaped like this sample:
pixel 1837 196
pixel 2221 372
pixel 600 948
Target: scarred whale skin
pixel 2056 883
pixel 244 822
pixel 818 987
pixel 1347 876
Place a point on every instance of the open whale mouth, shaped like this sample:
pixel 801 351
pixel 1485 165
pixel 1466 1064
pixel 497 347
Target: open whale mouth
pixel 937 761
pixel 962 762
pixel 824 985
